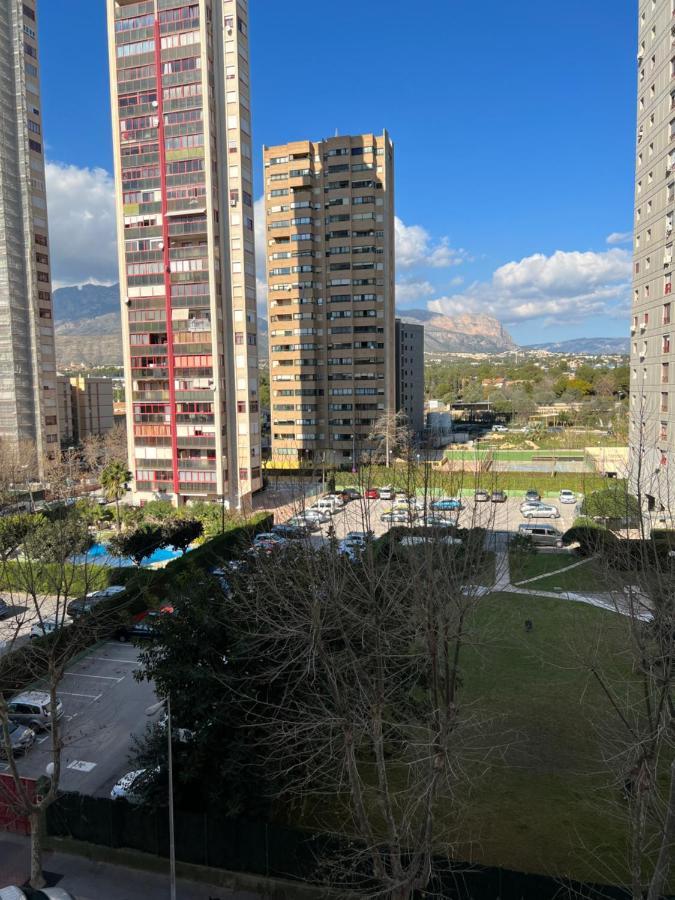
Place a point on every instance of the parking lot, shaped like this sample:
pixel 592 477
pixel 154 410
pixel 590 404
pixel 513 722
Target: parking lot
pixel 365 515
pixel 104 706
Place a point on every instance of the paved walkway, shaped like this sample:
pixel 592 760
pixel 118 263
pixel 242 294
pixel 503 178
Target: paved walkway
pixel 89 880
pixel 631 604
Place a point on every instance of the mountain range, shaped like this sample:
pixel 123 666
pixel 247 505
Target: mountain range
pixel 88 331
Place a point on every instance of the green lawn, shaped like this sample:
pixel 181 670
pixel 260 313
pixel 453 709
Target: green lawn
pixel 583 578
pixel 545 795
pixel 531 565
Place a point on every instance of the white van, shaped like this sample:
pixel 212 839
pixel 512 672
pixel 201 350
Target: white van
pixel 542 535
pixel 327 505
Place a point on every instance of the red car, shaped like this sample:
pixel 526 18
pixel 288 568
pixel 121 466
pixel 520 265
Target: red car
pixel 372 494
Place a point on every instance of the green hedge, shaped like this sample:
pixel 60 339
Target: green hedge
pixel 146 589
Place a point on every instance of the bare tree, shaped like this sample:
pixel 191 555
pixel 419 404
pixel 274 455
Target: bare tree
pixel 638 741
pixel 355 684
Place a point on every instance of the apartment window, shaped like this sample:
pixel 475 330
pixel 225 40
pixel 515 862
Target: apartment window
pixel 665 343
pixel 665 373
pixel 666 314
pixel 646 319
pixel 646 290
pixel 668 286
pixel 664 401
pixel 635 323
pixel 668 255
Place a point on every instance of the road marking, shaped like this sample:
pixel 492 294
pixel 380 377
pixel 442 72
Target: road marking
pixel 110 659
pixel 101 677
pixel 88 696
pixel 81 766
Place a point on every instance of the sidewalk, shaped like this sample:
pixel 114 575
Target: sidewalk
pixel 89 880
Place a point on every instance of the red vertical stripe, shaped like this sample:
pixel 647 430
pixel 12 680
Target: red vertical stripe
pixel 167 257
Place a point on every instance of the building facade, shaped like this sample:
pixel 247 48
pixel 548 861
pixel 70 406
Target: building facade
pixel 182 146
pixel 410 374
pixel 92 401
pixel 65 402
pixel 330 276
pixel 652 396
pixel 28 393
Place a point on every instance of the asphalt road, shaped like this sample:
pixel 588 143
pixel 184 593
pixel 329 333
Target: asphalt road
pixel 104 706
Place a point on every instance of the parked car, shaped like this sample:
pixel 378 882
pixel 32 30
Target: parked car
pixel 414 540
pixel 359 537
pixel 540 511
pixel 306 525
pixel 438 521
pixel 85 604
pixel 317 515
pixel 387 493
pixel 566 496
pixel 349 494
pixel 500 429
pixel 532 495
pixel 130 786
pixel 372 494
pixel 448 504
pixel 27 893
pixel 21 739
pixel 222 577
pixel 542 535
pixel 33 708
pixel 142 627
pixel 327 505
pixel 396 516
pixel 481 496
pixel 45 627
pixel 290 532
pixel 265 538
pixel 499 497
pixel 337 499
pixel 5 608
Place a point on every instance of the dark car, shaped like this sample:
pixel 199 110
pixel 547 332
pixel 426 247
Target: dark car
pixel 481 496
pixel 498 497
pixel 532 494
pixel 5 609
pixel 349 494
pixel 21 739
pixel 290 532
pixel 143 627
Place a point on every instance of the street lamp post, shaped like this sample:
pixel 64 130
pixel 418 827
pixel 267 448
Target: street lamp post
pixel 172 838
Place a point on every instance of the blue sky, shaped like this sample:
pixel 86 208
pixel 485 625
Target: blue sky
pixel 514 132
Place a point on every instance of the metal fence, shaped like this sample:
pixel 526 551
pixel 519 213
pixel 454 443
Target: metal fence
pixel 273 851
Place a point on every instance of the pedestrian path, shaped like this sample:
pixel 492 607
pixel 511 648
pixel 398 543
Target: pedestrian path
pixel 631 604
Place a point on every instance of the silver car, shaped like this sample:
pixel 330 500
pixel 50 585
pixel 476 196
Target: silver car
pixel 48 893
pixel 539 511
pixel 33 708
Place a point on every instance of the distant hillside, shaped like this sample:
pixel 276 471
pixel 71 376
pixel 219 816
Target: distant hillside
pixel 460 334
pixel 89 330
pixel 591 346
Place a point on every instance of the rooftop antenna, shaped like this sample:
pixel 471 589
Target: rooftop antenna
pixel 337 132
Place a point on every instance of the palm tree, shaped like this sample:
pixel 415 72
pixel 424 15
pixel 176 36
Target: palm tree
pixel 113 480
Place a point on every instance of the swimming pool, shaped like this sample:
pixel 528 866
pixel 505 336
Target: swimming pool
pixel 99 555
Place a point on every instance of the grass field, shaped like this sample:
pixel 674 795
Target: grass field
pixel 544 800
pixel 514 455
pixel 453 481
pixel 532 565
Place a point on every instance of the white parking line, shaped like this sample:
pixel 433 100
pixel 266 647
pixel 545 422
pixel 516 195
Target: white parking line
pixel 101 677
pixel 133 662
pixel 88 696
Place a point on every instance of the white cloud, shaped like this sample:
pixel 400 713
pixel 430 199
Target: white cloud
pixel 564 288
pixel 412 291
pixel 620 237
pixel 81 206
pixel 415 248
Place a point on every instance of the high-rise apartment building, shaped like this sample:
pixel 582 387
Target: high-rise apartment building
pixel 652 399
pixel 410 374
pixel 182 142
pixel 28 394
pixel 85 407
pixel 330 275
